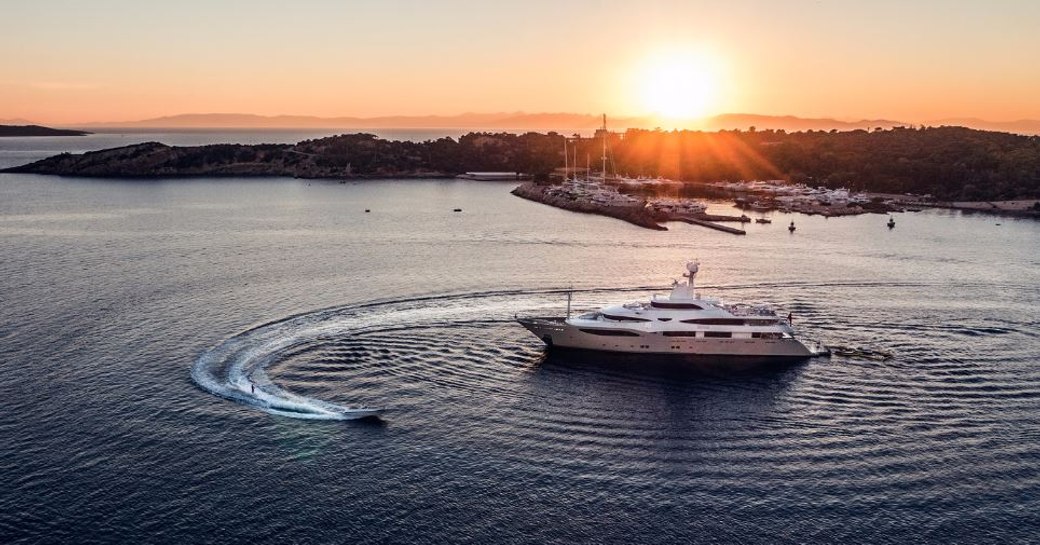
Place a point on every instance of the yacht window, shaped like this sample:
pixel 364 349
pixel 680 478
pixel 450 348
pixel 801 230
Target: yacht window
pixel 624 318
pixel 715 321
pixel 664 319
pixel 767 335
pixel 760 322
pixel 679 333
pixel 671 305
pixel 610 332
pixel 718 334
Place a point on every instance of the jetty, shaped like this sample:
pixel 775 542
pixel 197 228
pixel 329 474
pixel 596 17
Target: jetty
pixel 712 225
pixel 495 176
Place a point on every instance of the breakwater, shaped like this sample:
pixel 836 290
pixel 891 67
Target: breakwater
pixel 713 225
pixel 596 198
pixel 633 211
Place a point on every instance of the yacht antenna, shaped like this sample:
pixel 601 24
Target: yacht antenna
pixel 569 294
pixel 692 267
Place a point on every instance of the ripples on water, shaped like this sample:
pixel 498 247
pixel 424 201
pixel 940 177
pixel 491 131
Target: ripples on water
pixel 115 292
pixel 853 436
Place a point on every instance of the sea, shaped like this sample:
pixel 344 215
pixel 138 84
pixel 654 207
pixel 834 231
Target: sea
pixel 177 357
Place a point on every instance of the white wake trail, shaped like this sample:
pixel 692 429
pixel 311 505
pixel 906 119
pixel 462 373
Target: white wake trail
pixel 236 368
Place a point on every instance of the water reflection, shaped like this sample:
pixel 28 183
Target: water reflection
pixel 676 389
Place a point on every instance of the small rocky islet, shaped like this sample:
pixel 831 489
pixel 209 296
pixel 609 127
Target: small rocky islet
pixel 37 130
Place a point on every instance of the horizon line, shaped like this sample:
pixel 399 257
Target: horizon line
pixel 515 121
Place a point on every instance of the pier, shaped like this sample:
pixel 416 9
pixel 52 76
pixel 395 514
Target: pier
pixel 712 225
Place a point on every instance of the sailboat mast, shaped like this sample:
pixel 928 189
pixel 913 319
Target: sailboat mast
pixel 574 159
pixel 566 158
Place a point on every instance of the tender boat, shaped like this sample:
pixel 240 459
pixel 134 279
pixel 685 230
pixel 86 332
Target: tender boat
pixel 680 324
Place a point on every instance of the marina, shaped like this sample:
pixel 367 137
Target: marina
pixel 780 195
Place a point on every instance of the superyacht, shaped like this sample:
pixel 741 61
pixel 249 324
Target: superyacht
pixel 681 323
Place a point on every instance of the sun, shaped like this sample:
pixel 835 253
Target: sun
pixel 679 85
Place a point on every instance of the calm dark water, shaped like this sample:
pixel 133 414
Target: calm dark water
pixel 114 291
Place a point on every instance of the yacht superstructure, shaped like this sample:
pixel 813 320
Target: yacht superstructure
pixel 681 323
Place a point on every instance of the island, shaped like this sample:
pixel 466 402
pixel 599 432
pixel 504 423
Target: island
pixel 885 169
pixel 348 156
pixel 37 130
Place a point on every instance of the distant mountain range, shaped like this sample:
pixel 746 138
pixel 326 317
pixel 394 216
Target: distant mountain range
pixel 515 120
pixel 1021 126
pixel 537 121
pixel 791 123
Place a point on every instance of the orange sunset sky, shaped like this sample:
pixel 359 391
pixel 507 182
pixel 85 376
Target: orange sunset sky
pixel 67 62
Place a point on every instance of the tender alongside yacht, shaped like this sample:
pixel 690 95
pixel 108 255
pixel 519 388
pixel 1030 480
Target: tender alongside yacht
pixel 679 324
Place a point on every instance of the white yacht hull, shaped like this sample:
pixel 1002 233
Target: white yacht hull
pixel 556 333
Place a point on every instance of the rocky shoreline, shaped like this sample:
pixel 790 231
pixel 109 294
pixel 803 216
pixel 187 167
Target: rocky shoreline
pixel 1029 208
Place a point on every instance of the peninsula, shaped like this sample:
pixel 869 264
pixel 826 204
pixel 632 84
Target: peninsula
pixel 37 130
pixel 348 156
